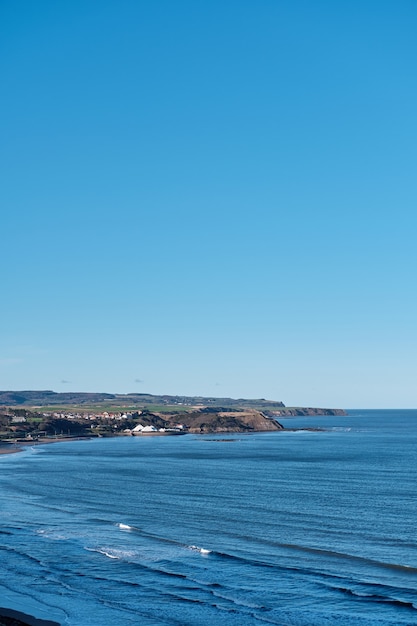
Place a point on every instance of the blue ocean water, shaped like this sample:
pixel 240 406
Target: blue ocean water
pixel 297 528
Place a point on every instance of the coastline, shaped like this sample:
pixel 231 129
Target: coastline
pixel 9 448
pixel 12 447
pixel 10 617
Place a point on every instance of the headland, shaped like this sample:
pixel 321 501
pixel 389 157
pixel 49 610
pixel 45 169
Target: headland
pixel 33 417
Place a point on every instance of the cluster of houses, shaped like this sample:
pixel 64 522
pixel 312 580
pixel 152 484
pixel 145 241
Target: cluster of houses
pixel 139 429
pixel 92 416
pixel 26 424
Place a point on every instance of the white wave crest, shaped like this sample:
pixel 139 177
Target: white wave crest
pixel 113 553
pixel 109 554
pixel 200 550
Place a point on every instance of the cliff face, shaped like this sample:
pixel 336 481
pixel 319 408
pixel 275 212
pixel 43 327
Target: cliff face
pixel 304 411
pixel 228 422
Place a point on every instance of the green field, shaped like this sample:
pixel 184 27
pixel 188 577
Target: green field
pixel 109 408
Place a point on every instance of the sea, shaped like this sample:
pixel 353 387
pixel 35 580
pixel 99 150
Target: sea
pixel 299 527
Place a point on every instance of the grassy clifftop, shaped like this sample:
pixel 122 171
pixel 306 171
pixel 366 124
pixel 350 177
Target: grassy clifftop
pixel 31 413
pixel 210 421
pixel 129 400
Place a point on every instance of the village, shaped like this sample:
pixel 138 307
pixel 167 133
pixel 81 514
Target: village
pixel 37 424
pixel 24 424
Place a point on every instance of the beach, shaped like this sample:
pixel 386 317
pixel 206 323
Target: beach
pixel 18 446
pixel 9 448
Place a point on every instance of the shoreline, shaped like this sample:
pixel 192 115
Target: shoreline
pixel 10 617
pixel 9 449
pixel 12 447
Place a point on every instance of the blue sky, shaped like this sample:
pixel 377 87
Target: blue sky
pixel 213 198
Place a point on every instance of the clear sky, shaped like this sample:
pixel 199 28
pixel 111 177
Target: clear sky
pixel 210 197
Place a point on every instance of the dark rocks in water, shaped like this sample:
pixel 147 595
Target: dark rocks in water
pixel 9 617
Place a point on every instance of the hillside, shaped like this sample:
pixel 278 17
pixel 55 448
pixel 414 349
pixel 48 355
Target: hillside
pixel 139 400
pixel 22 423
pixel 212 420
pixel 157 403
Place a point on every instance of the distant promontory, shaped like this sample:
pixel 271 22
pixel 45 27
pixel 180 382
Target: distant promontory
pixel 39 414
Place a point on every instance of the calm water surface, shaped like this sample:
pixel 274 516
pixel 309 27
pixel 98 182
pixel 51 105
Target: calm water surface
pixel 291 528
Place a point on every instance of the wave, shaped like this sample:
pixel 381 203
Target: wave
pixel 392 595
pixel 200 550
pixel 24 555
pixel 55 534
pixel 350 557
pixel 367 592
pixel 108 554
pixel 191 591
pixel 262 563
pixel 333 554
pixel 203 551
pixel 113 553
pixel 375 597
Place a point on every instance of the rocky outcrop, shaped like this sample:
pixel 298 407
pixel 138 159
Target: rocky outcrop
pixel 9 617
pixel 228 422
